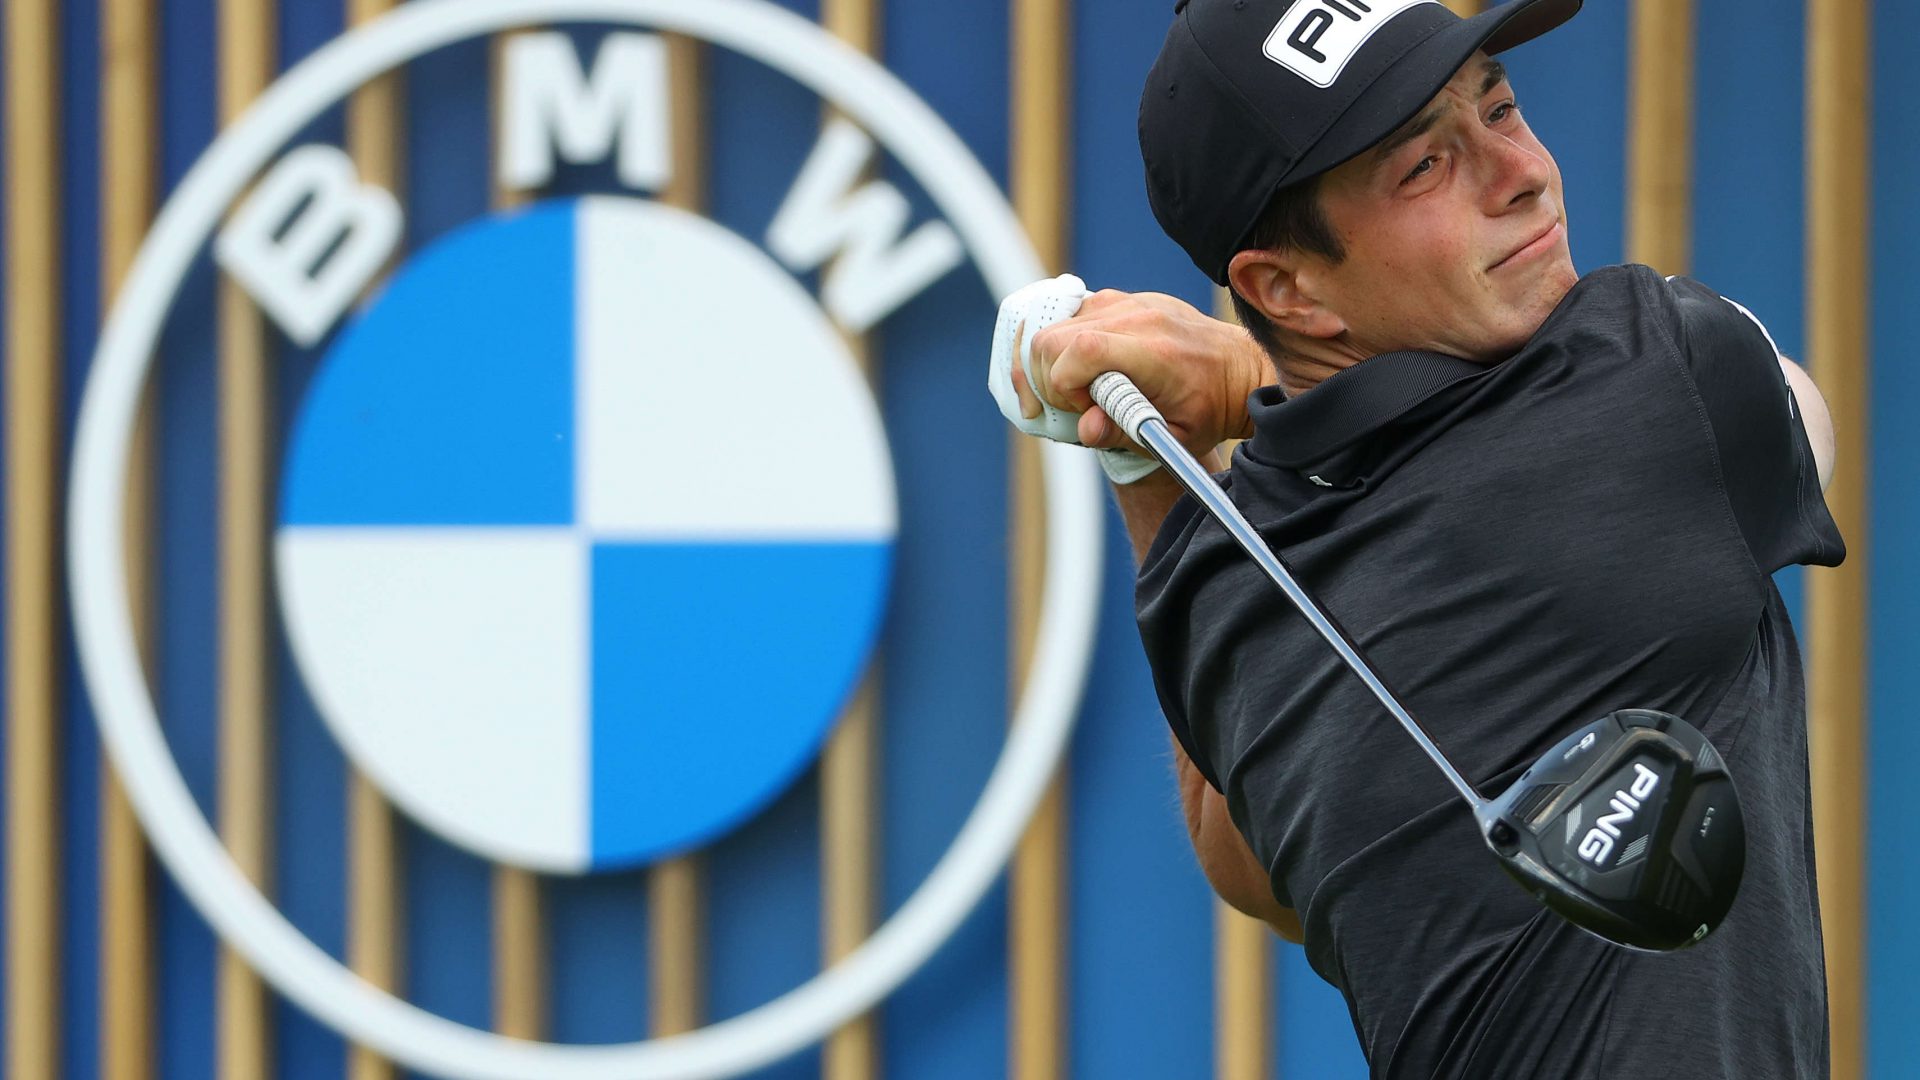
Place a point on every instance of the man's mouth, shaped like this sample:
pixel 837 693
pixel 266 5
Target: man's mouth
pixel 1534 248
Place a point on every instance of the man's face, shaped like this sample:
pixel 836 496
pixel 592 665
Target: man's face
pixel 1454 228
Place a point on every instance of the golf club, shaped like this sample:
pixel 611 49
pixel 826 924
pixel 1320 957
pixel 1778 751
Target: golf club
pixel 1630 827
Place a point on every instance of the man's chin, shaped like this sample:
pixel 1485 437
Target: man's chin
pixel 1528 314
pixel 1546 289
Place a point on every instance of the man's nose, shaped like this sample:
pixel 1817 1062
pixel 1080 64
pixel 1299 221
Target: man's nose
pixel 1517 173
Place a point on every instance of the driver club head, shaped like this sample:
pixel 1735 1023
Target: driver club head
pixel 1629 828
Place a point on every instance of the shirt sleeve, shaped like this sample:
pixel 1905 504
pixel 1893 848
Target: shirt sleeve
pixel 1766 460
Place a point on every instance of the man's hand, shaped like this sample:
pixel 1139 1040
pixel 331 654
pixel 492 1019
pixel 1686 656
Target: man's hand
pixel 1198 371
pixel 1813 416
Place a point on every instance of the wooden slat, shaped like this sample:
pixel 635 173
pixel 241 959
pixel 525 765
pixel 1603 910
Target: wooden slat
pixel 676 903
pixel 1041 125
pixel 1242 996
pixel 32 422
pixel 373 902
pixel 519 954
pixel 375 137
pixel 247 41
pixel 519 909
pixel 686 73
pixel 848 814
pixel 676 888
pixel 1038 981
pixel 376 113
pixel 245 747
pixel 856 22
pixel 1041 141
pixel 1837 231
pixel 849 773
pixel 129 146
pixel 1243 991
pixel 1464 7
pixel 1660 136
pixel 127 1044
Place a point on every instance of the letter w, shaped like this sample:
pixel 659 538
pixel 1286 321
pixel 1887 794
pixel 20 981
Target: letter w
pixel 825 217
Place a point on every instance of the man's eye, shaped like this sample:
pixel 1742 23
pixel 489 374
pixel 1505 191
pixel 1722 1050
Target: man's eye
pixel 1427 165
pixel 1502 111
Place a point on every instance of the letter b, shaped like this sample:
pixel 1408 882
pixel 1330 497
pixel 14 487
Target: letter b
pixel 309 239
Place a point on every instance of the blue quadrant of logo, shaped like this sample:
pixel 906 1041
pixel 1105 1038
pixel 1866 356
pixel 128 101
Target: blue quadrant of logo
pixel 718 670
pixel 450 401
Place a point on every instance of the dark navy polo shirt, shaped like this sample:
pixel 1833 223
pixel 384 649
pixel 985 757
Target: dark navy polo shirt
pixel 1519 549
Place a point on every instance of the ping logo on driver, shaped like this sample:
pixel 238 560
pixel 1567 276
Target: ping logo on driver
pixel 1316 38
pixel 1598 843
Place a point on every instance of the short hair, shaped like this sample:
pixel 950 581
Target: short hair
pixel 1293 220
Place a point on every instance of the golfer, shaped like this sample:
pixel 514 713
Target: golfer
pixel 1532 498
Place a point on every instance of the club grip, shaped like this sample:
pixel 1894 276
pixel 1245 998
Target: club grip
pixel 1120 399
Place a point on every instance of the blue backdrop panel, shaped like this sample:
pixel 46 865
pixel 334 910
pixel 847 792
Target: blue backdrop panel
pixel 186 569
pixel 448 154
pixel 1571 87
pixel 598 939
pixel 1140 904
pixel 944 678
pixel 1747 239
pixel 309 774
pixel 763 881
pixel 1747 182
pixel 79 284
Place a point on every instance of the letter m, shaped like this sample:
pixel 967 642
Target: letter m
pixel 549 104
pixel 830 215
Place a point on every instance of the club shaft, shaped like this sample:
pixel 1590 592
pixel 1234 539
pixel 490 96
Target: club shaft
pixel 1155 436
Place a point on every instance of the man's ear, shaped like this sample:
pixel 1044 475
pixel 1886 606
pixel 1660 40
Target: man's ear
pixel 1274 282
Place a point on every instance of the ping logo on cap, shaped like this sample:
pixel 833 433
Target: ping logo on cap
pixel 1316 38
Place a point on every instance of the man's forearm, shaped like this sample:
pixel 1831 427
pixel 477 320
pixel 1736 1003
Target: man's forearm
pixel 1225 859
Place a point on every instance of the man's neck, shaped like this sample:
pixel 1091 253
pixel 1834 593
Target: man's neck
pixel 1301 372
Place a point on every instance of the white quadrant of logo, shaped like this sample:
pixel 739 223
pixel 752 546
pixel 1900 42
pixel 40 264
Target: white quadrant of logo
pixel 1316 38
pixel 580 562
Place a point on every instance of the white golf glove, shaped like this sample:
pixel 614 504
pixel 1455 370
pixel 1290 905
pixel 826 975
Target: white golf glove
pixel 1038 306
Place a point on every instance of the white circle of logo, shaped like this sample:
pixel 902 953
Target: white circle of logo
pixel 130 729
pixel 541 624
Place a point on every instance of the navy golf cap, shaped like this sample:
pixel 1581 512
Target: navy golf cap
pixel 1249 96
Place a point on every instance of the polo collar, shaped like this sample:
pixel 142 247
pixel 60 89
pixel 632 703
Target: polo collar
pixel 1349 406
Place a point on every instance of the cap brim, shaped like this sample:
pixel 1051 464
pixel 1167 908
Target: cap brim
pixel 1405 88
